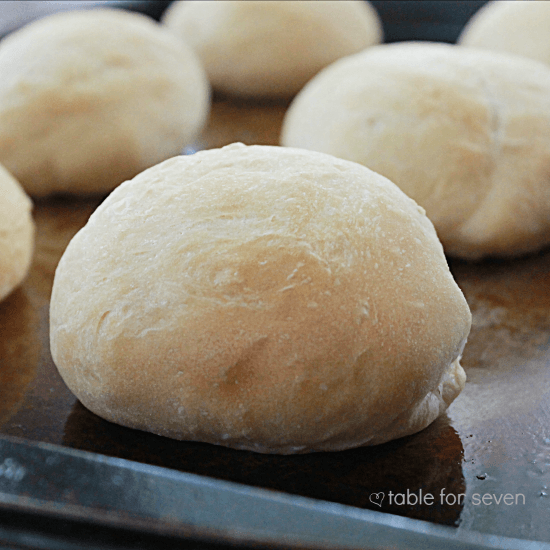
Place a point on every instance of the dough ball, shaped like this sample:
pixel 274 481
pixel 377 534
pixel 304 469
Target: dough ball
pixel 271 49
pixel 518 27
pixel 263 298
pixel 464 132
pixel 90 98
pixel 16 233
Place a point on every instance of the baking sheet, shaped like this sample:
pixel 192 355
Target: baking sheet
pixel 484 466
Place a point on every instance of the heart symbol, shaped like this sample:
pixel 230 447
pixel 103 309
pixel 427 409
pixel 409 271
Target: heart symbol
pixel 377 498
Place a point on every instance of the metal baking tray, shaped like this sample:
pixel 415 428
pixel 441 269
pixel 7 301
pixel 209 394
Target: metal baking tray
pixel 479 475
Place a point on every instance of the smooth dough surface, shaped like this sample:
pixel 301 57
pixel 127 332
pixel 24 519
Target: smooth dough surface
pixel 16 233
pixel 464 132
pixel 258 48
pixel 517 27
pixel 90 98
pixel 262 298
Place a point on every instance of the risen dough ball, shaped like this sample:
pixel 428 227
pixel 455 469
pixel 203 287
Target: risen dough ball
pixel 262 298
pixel 16 233
pixel 258 48
pixel 464 132
pixel 518 27
pixel 90 98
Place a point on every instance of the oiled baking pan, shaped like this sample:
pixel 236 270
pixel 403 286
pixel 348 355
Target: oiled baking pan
pixel 484 467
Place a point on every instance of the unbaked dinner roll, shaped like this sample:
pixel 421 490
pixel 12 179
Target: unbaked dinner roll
pixel 91 98
pixel 16 233
pixel 271 49
pixel 464 132
pixel 262 298
pixel 518 27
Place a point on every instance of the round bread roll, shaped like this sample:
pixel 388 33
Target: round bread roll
pixel 515 27
pixel 90 98
pixel 263 298
pixel 16 233
pixel 271 49
pixel 464 132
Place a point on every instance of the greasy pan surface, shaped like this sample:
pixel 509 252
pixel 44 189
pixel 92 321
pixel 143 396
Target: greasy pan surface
pixel 486 463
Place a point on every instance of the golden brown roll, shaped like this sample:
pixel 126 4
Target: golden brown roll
pixel 464 132
pixel 262 298
pixel 271 49
pixel 90 98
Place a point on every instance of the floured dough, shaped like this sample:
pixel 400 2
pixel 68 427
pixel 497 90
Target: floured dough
pixel 517 27
pixel 16 233
pixel 262 298
pixel 90 98
pixel 271 49
pixel 464 132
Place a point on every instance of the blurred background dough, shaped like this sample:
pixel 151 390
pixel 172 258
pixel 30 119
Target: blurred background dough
pixel 464 132
pixel 90 98
pixel 258 48
pixel 517 26
pixel 16 233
